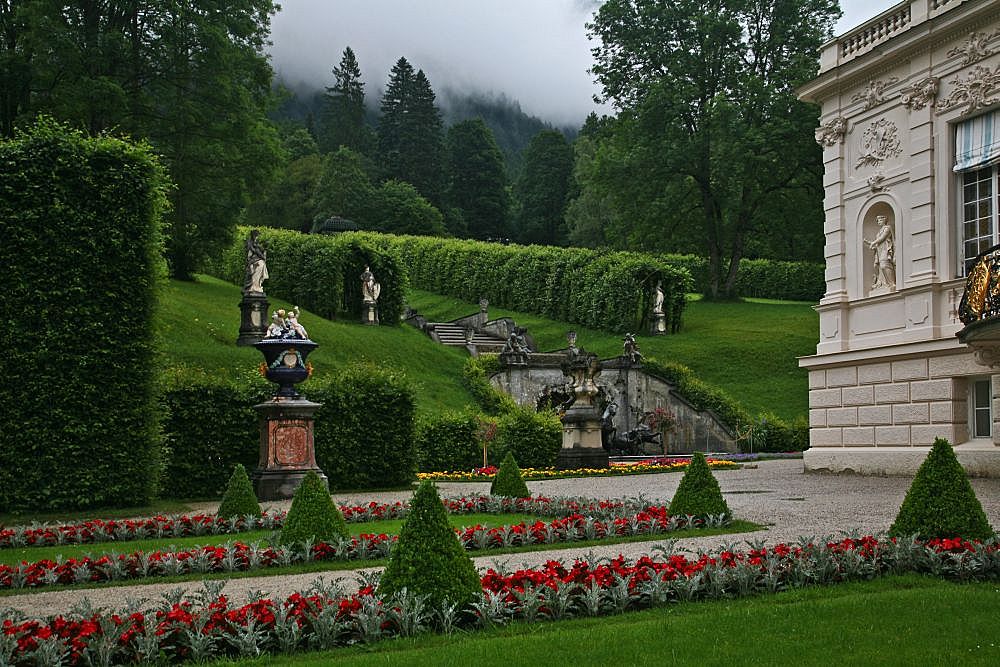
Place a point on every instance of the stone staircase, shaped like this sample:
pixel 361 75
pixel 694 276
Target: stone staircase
pixel 488 336
pixel 453 335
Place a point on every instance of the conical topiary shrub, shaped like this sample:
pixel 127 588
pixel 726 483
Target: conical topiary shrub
pixel 428 559
pixel 313 514
pixel 698 493
pixel 508 481
pixel 941 502
pixel 239 499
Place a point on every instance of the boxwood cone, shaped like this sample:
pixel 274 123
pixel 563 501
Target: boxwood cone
pixel 508 481
pixel 698 493
pixel 313 514
pixel 428 559
pixel 239 499
pixel 941 502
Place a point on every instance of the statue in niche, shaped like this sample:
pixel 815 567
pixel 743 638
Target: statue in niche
pixel 370 289
pixel 883 249
pixel 658 299
pixel 256 268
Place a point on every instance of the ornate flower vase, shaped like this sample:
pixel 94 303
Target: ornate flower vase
pixel 287 448
pixel 581 441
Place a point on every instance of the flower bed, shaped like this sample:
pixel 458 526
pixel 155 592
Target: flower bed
pixel 660 464
pixel 205 625
pixel 177 525
pixel 236 556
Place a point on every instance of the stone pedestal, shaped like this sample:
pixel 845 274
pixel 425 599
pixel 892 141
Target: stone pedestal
pixel 658 327
pixel 253 323
pixel 287 451
pixel 581 439
pixel 369 313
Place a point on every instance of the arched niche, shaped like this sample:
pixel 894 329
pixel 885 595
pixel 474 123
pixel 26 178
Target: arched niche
pixel 879 264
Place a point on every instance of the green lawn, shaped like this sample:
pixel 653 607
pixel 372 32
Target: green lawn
pixel 903 620
pixel 199 323
pixel 748 349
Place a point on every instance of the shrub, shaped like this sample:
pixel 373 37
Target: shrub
pixel 698 493
pixel 239 499
pixel 428 559
pixel 508 481
pixel 598 289
pixel 940 501
pixel 364 431
pixel 313 514
pixel 448 442
pixel 533 438
pixel 82 252
pixel 476 377
pixel 320 272
pixel 764 278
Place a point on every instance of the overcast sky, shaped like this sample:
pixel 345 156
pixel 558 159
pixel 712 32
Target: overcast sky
pixel 534 51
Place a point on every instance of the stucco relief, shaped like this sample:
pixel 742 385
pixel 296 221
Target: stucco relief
pixel 879 142
pixel 977 90
pixel 874 94
pixel 832 133
pixel 920 94
pixel 975 47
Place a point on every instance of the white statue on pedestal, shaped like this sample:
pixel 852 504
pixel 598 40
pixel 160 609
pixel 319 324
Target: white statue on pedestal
pixel 883 249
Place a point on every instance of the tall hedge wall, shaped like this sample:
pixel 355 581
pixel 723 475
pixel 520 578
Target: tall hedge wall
pixel 364 431
pixel 80 247
pixel 762 278
pixel 611 291
pixel 321 273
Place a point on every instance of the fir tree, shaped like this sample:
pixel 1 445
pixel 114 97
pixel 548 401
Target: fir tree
pixel 698 493
pixel 313 514
pixel 344 108
pixel 477 181
pixel 508 481
pixel 239 499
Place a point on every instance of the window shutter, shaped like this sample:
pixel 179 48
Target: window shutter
pixel 977 142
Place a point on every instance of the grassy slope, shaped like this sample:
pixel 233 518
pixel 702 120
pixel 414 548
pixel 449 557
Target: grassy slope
pixel 199 323
pixel 748 349
pixel 903 620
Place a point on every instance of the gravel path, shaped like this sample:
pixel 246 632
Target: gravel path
pixel 774 493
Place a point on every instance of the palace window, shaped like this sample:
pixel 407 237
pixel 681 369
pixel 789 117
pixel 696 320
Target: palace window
pixel 980 408
pixel 977 152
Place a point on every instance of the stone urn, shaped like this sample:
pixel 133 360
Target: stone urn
pixel 285 363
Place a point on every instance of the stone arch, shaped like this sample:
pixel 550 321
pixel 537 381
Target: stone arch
pixel 868 229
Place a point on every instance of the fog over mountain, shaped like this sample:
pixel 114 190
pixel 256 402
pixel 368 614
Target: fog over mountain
pixel 532 51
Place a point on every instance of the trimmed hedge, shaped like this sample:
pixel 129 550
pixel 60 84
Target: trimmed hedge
pixel 448 442
pixel 239 499
pixel 321 273
pixel 941 501
pixel 363 436
pixel 698 493
pixel 508 481
pixel 602 290
pixel 313 514
pixel 428 559
pixel 81 249
pixel 533 438
pixel 762 278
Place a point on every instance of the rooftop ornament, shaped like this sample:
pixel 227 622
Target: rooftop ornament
pixel 979 309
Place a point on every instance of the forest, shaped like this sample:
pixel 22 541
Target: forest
pixel 708 152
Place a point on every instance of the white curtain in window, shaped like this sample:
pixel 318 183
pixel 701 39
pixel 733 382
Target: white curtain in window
pixel 977 142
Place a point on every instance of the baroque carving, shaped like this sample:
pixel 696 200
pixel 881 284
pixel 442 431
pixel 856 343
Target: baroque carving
pixel 920 94
pixel 875 182
pixel 979 89
pixel 879 142
pixel 975 48
pixel 874 94
pixel 832 133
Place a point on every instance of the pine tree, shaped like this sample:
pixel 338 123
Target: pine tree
pixel 477 179
pixel 698 493
pixel 428 559
pixel 239 499
pixel 508 481
pixel 393 106
pixel 941 501
pixel 542 189
pixel 344 108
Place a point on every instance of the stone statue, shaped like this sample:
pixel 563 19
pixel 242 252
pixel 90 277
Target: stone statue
pixel 256 268
pixel 632 349
pixel 515 342
pixel 658 298
pixel 292 322
pixel 370 289
pixel 285 325
pixel 277 327
pixel 884 255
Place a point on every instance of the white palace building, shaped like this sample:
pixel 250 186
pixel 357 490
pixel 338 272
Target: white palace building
pixel 910 129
